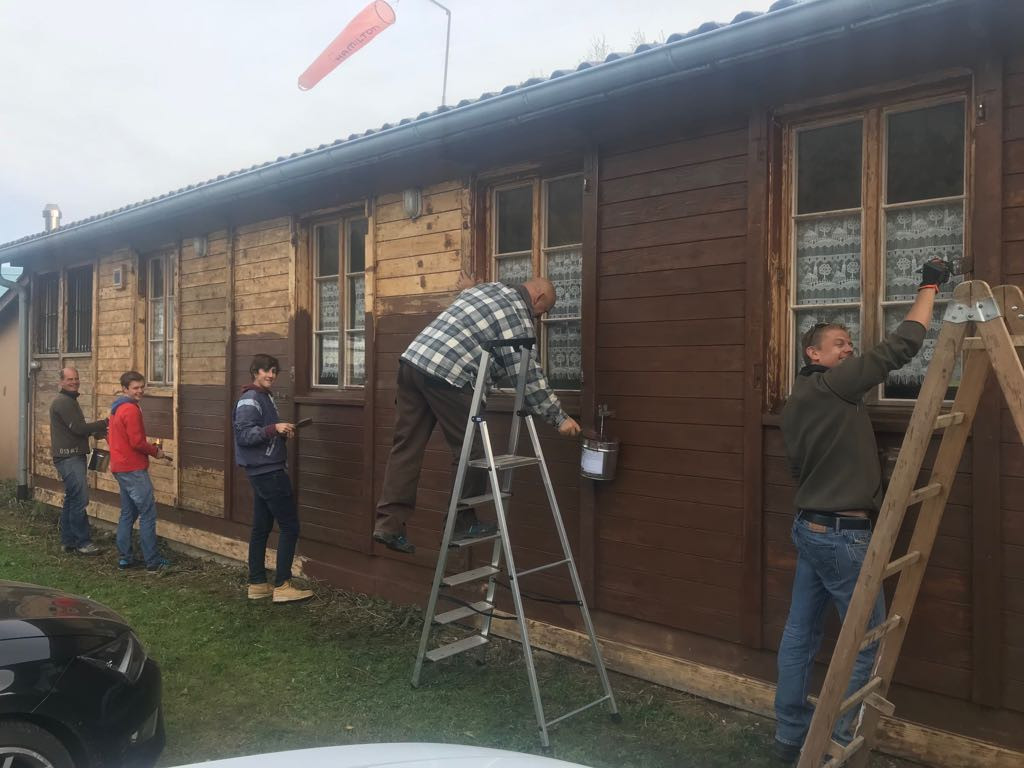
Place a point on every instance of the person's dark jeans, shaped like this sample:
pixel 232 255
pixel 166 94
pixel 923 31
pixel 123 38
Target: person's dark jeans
pixel 272 500
pixel 74 524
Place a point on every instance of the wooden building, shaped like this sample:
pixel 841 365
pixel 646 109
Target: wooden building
pixel 698 203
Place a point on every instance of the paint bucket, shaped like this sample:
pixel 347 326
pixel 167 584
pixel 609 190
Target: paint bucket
pixel 99 460
pixel 598 458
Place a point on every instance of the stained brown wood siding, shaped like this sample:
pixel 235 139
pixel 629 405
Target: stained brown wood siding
pixel 669 353
pixel 1012 453
pixel 202 309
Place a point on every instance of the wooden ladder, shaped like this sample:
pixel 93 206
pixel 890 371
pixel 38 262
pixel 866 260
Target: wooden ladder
pixel 998 319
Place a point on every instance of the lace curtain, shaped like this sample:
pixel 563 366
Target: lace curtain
pixel 828 260
pixel 355 357
pixel 328 305
pixel 514 270
pixel 357 302
pixel 914 235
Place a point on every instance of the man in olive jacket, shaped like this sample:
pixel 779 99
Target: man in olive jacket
pixel 831 448
pixel 69 443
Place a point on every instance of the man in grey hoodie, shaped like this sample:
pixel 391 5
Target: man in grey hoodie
pixel 69 443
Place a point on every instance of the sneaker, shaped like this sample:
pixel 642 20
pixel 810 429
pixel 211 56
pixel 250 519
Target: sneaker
pixel 468 527
pixel 786 753
pixel 395 541
pixel 160 565
pixel 125 563
pixel 286 593
pixel 89 550
pixel 260 591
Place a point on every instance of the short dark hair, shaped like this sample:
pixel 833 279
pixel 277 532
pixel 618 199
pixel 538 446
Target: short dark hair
pixel 812 337
pixel 263 363
pixel 129 376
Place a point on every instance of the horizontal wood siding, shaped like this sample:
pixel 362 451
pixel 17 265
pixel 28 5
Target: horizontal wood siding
pixel 203 297
pixel 261 298
pixel 670 353
pixel 1012 452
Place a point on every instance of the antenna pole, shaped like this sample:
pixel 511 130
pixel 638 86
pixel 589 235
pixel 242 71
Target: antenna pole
pixel 447 47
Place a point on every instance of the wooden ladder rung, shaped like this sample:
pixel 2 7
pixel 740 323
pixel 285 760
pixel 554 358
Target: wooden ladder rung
pixel 900 563
pixel 976 342
pixel 859 695
pixel 949 419
pixel 925 492
pixel 881 630
pixel 838 754
pixel 880 703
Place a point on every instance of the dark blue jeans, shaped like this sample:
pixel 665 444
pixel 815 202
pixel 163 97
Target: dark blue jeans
pixel 827 568
pixel 272 500
pixel 137 503
pixel 74 524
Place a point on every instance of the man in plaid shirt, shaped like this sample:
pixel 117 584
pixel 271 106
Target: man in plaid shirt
pixel 435 385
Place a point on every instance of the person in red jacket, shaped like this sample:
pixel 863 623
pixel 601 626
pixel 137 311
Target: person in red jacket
pixel 129 461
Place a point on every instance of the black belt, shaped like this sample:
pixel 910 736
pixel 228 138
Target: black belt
pixel 836 522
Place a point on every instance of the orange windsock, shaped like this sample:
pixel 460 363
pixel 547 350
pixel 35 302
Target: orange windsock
pixel 371 21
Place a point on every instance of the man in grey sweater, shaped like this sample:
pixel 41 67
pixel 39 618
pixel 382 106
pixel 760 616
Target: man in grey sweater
pixel 69 444
pixel 831 448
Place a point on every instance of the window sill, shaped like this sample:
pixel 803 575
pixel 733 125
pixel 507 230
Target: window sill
pixel 163 390
pixel 78 354
pixel 341 397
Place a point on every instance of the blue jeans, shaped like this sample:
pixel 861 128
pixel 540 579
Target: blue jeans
pixel 137 503
pixel 827 568
pixel 74 524
pixel 272 500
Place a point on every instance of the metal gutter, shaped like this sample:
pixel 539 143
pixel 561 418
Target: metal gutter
pixel 785 29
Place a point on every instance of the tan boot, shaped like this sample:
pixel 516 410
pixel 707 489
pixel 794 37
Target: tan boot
pixel 260 591
pixel 286 593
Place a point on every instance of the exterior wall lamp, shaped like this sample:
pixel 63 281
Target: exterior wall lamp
pixel 412 202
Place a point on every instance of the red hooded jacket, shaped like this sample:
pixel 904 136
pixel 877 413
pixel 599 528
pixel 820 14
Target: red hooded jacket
pixel 126 436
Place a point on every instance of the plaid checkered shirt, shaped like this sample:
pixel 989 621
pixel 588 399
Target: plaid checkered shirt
pixel 449 348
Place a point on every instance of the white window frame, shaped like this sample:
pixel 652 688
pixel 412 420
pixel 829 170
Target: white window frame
pixel 168 264
pixel 347 331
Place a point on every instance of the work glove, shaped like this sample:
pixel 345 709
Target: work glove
pixel 935 273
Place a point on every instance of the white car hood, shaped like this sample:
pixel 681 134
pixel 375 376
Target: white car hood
pixel 390 756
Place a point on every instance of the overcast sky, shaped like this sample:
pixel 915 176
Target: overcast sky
pixel 107 102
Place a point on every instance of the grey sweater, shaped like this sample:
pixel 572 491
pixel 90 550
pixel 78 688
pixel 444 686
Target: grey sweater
pixel 69 431
pixel 829 440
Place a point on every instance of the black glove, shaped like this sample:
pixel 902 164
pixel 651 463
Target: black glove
pixel 935 272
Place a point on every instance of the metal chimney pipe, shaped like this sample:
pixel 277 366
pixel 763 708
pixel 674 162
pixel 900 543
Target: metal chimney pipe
pixel 51 217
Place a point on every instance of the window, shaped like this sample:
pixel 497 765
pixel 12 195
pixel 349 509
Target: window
pixel 339 332
pixel 160 279
pixel 875 195
pixel 538 230
pixel 79 310
pixel 47 303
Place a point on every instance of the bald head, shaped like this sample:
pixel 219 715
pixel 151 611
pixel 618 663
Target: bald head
pixel 542 294
pixel 69 381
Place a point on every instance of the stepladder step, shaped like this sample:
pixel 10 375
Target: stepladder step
pixel 474 501
pixel 463 612
pixel 505 461
pixel 468 542
pixel 467 576
pixel 465 644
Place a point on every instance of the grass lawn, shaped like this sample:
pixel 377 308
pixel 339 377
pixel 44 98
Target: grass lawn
pixel 243 678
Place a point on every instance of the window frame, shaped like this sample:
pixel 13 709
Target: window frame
pixel 169 297
pixel 873 112
pixel 539 182
pixel 76 313
pixel 41 281
pixel 343 220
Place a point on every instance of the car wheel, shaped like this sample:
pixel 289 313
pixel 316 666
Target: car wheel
pixel 24 745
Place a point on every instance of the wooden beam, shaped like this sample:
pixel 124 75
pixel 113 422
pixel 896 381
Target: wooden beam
pixel 752 596
pixel 587 555
pixel 986 524
pixel 229 367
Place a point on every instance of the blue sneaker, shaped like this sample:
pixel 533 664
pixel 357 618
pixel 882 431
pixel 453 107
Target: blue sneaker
pixel 160 564
pixel 125 563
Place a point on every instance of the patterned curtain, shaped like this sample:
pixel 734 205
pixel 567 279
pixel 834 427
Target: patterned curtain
pixel 913 235
pixel 515 270
pixel 828 260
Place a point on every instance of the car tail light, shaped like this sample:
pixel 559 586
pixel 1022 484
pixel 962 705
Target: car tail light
pixel 125 656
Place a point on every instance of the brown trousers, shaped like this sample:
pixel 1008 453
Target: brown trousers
pixel 423 401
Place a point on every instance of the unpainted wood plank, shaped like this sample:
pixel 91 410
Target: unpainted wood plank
pixel 416 265
pixel 441 282
pixel 404 228
pixel 434 242
pixel 438 202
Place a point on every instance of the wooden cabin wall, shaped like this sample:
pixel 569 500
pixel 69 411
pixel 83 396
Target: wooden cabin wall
pixel 1011 450
pixel 202 411
pixel 670 355
pixel 261 295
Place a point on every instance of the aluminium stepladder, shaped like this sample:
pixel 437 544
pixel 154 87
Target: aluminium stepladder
pixel 499 469
pixel 998 319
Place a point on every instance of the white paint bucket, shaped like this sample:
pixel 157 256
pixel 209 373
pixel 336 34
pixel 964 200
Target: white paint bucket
pixel 598 458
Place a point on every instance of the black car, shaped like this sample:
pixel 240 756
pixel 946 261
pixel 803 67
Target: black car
pixel 76 687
